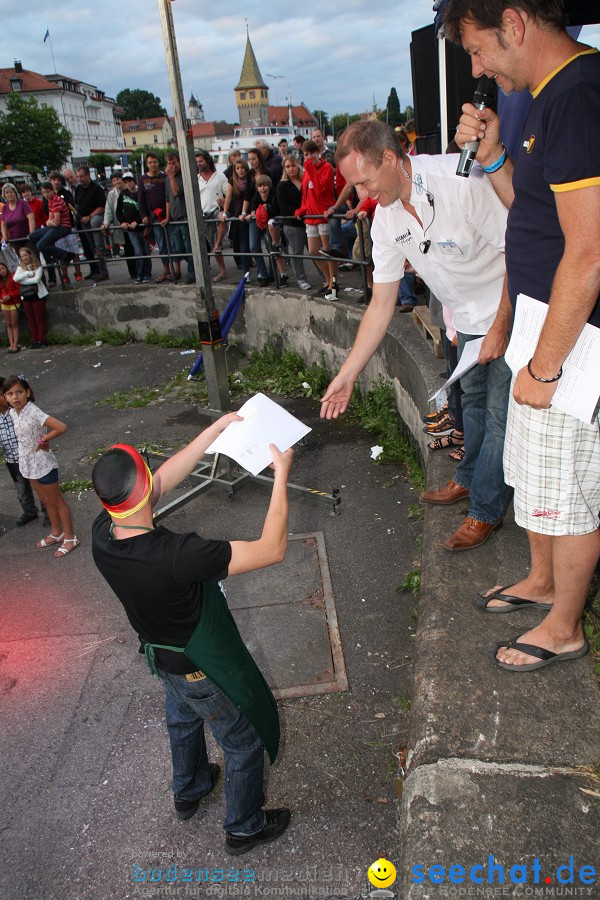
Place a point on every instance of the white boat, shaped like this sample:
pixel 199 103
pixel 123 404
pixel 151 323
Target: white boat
pixel 245 137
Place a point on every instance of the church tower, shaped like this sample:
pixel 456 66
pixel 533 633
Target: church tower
pixel 251 92
pixel 196 113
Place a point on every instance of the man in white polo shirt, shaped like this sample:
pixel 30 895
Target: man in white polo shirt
pixel 451 230
pixel 213 190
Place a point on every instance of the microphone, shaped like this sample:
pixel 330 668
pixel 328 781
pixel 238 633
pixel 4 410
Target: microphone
pixel 485 98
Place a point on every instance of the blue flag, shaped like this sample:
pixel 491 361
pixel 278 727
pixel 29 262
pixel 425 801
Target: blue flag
pixel 47 35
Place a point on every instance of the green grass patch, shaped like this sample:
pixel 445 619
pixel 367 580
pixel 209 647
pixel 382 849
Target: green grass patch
pixel 176 388
pixel 156 339
pixel 134 399
pixel 591 624
pixel 280 371
pixel 73 487
pixel 402 702
pixel 411 583
pixel 107 335
pixel 378 414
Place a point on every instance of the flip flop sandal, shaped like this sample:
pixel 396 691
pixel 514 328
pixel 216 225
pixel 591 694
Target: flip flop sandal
pixel 220 277
pixel 164 277
pixel 458 455
pixel 546 657
pixel 481 601
pixel 62 550
pixel 51 539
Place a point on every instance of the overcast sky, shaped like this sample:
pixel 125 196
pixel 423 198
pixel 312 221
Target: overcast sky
pixel 335 56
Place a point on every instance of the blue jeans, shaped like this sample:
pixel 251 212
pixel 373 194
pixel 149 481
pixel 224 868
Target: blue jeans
pixel 336 238
pixel 454 392
pixel 256 236
pixel 484 406
pixel 44 240
pixel 406 293
pixel 179 242
pixel 188 704
pixel 141 249
pixel 242 240
pixel 160 236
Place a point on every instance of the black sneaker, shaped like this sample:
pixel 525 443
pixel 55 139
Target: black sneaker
pixel 276 822
pixel 185 809
pixel 25 518
pixel 283 280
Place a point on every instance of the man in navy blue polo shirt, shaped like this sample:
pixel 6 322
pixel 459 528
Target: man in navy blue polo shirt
pixel 552 255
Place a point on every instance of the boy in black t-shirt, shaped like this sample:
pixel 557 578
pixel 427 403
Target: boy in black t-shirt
pixel 167 584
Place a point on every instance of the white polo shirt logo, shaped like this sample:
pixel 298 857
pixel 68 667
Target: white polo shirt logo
pixel 404 238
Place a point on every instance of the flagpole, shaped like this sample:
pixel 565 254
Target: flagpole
pixel 51 49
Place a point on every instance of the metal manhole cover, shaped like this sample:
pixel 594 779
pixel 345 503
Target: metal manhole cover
pixel 287 617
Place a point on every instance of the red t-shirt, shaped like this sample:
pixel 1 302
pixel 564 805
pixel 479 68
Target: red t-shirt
pixel 37 208
pixel 10 291
pixel 57 204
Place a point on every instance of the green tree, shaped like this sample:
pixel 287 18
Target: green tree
pixel 136 158
pixel 393 116
pixel 341 121
pixel 100 160
pixel 32 135
pixel 323 119
pixel 140 104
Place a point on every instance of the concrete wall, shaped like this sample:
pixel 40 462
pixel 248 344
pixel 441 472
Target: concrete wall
pixel 321 332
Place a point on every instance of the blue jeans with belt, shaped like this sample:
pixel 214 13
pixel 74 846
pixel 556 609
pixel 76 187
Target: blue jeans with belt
pixel 484 406
pixel 188 704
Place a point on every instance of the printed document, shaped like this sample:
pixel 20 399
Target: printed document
pixel 578 389
pixel 265 422
pixel 468 359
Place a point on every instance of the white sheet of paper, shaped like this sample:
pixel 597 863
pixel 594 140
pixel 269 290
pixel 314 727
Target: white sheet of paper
pixel 578 389
pixel 468 359
pixel 265 422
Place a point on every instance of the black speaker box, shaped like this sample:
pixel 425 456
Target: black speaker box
pixel 460 85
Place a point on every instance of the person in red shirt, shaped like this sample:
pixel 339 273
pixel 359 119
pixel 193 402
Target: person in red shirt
pixel 35 204
pixel 318 195
pixel 10 301
pixel 57 226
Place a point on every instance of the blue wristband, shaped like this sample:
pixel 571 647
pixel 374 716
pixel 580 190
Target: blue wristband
pixel 498 164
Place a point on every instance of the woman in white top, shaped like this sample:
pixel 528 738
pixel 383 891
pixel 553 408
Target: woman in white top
pixel 30 277
pixel 37 463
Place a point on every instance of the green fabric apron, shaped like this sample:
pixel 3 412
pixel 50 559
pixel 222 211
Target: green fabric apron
pixel 217 648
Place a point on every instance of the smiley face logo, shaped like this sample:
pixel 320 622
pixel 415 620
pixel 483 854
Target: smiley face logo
pixel 381 873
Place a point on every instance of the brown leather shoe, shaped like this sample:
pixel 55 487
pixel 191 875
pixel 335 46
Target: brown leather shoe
pixel 452 493
pixel 470 534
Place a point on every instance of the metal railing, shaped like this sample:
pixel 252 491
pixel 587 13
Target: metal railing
pixel 268 254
